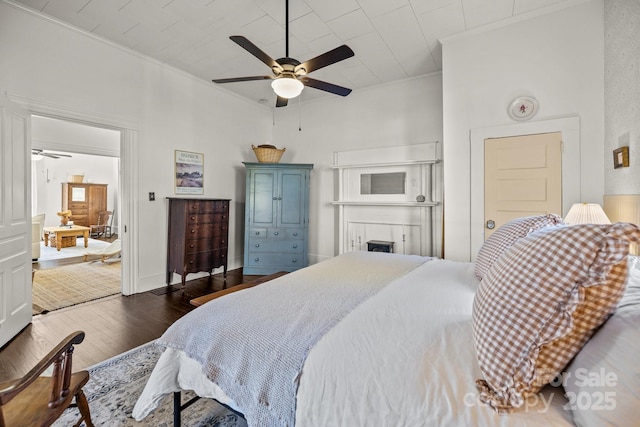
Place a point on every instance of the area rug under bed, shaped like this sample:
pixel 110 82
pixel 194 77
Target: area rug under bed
pixel 115 385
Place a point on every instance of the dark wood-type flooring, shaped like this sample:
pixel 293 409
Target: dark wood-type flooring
pixel 112 325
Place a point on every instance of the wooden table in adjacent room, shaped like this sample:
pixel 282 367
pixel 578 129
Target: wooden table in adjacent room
pixel 65 236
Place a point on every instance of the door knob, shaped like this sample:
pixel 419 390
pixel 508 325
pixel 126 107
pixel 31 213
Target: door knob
pixel 491 224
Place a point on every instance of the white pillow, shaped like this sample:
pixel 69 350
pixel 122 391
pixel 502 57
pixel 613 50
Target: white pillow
pixel 602 383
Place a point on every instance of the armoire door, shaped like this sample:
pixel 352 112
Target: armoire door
pixel 291 198
pixel 263 196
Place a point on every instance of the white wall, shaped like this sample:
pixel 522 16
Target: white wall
pixel 400 113
pixel 559 59
pixel 53 64
pixel 622 94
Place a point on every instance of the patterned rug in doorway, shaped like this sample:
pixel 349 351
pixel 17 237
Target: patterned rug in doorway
pixel 115 385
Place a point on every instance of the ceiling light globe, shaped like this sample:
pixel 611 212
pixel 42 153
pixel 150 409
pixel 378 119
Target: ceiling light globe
pixel 287 87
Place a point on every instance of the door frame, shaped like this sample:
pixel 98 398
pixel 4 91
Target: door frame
pixel 571 174
pixel 127 183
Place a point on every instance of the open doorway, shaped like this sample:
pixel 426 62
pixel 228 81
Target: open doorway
pixel 71 160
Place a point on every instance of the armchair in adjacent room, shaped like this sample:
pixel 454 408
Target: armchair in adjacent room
pixel 35 241
pixel 40 220
pixel 103 227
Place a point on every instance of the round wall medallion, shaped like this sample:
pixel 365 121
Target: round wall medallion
pixel 523 108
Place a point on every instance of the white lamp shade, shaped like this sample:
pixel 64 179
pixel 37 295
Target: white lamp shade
pixel 586 213
pixel 287 87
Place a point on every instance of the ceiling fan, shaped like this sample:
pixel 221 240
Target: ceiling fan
pixel 42 153
pixel 290 75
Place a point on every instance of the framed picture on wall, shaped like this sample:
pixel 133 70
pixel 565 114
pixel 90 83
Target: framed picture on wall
pixel 621 157
pixel 189 172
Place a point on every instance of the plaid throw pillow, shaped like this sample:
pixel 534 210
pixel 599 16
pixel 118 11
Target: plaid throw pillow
pixel 540 303
pixel 505 236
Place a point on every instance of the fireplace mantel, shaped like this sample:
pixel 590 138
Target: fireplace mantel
pixel 397 217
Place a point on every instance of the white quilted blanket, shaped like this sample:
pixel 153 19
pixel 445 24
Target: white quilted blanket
pixel 253 343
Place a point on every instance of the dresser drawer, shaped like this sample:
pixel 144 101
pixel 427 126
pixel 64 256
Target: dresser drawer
pixel 276 245
pixel 207 218
pixel 205 245
pixel 284 233
pixel 207 230
pixel 80 211
pixel 281 260
pixel 206 206
pixel 204 261
pixel 257 233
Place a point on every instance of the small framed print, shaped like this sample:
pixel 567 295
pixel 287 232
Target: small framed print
pixel 189 172
pixel 621 157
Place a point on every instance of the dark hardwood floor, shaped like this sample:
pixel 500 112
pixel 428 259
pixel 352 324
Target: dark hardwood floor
pixel 112 325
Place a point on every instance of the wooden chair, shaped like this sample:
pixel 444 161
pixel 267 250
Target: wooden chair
pixel 103 227
pixel 36 400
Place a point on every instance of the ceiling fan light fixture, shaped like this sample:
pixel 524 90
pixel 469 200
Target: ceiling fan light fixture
pixel 287 87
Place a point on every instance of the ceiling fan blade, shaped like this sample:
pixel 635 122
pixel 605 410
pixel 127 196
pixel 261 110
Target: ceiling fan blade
pixel 41 152
pixel 331 57
pixel 281 102
pixel 255 51
pixel 241 79
pixel 327 87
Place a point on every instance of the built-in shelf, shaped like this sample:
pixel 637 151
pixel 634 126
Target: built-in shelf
pixel 367 203
pixel 387 164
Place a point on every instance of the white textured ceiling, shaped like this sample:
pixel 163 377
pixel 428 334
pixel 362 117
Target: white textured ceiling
pixel 392 39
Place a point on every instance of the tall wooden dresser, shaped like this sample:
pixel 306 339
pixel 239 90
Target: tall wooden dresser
pixel 198 236
pixel 84 201
pixel 276 219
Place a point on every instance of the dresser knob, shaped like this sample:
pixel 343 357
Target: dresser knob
pixel 257 233
pixel 295 246
pixel 295 234
pixel 191 262
pixel 257 259
pixel 257 245
pixel 191 246
pixel 294 260
pixel 193 231
pixel 276 233
pixel 193 218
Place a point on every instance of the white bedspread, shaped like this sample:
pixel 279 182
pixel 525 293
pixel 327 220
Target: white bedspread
pixel 404 357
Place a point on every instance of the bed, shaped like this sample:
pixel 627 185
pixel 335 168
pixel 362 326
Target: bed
pixel 399 354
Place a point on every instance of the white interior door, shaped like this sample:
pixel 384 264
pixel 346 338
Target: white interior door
pixel 15 220
pixel 523 177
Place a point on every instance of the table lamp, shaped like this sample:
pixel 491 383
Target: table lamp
pixel 586 213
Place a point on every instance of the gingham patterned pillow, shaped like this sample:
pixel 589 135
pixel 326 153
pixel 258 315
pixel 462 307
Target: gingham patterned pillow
pixel 541 301
pixel 505 236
